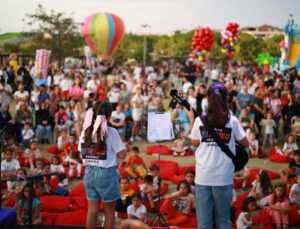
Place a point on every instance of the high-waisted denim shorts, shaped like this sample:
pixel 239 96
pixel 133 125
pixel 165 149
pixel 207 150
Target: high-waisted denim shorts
pixel 101 183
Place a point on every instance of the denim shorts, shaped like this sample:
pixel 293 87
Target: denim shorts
pixel 101 183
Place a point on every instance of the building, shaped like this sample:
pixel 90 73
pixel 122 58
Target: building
pixel 264 31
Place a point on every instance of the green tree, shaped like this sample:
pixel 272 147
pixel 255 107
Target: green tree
pixel 57 32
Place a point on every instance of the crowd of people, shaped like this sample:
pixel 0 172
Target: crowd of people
pixel 53 110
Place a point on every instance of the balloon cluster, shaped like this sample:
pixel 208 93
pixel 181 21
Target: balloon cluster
pixel 230 38
pixel 203 40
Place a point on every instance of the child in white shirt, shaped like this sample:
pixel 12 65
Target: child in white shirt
pixel 136 210
pixel 35 97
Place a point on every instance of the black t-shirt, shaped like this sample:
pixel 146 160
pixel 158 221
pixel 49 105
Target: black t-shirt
pixel 190 69
pixel 199 101
pixel 295 168
pixel 260 103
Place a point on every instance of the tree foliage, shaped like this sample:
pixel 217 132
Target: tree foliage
pixel 57 32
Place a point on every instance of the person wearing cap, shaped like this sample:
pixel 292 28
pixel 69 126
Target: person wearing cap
pixel 5 93
pixel 101 150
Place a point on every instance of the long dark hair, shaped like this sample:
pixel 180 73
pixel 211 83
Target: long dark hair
pixel 100 108
pixel 218 108
pixel 246 202
pixel 275 198
pixel 265 182
pixel 23 198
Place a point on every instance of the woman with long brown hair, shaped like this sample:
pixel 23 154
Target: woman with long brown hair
pixel 101 149
pixel 214 169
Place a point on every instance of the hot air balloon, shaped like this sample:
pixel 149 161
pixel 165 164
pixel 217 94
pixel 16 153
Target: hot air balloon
pixel 103 32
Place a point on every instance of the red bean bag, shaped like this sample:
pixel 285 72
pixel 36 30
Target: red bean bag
pixel 191 223
pixel 176 179
pixel 164 188
pixel 46 160
pixel 263 218
pixel 272 175
pixel 55 203
pixel 10 202
pixel 292 180
pixel 75 172
pixel 280 158
pixel 122 215
pixel 165 163
pixel 239 201
pixel 181 170
pixel 79 203
pixel 294 216
pixel 134 186
pixel 38 193
pixel 49 217
pixel 73 218
pixel 272 151
pixel 3 185
pixel 62 155
pixel 153 149
pixel 53 150
pixel 54 183
pixel 78 190
pixel 168 169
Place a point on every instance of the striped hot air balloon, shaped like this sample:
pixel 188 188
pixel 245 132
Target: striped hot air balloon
pixel 103 32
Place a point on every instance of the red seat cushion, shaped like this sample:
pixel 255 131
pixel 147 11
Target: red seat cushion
pixel 78 190
pixel 49 217
pixel 165 163
pixel 263 218
pixel 79 203
pixel 164 188
pixel 280 158
pixel 176 179
pixel 55 203
pixel 10 202
pixel 168 169
pixel 191 223
pixel 181 170
pixel 54 183
pixel 73 218
pixel 294 216
pixel 53 150
pixel 153 149
pixel 134 186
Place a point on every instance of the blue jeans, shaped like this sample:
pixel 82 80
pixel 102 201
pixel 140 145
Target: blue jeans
pixel 277 120
pixel 213 198
pixel 121 131
pixel 43 132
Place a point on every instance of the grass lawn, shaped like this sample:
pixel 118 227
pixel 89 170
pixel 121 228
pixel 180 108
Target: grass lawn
pixel 8 36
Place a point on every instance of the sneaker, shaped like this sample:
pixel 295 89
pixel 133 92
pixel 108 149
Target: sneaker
pixel 243 189
pixel 131 139
pixel 175 153
pixel 60 184
pixel 138 138
pixel 155 198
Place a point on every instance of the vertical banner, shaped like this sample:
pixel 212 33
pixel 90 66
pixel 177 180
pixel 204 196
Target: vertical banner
pixel 41 62
pixel 88 56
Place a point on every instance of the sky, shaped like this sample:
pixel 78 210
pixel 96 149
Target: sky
pixel 163 16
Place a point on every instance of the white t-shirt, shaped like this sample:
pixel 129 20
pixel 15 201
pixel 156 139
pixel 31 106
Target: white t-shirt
pixel 120 117
pixel 4 97
pixel 289 148
pixel 29 134
pixel 138 213
pixel 60 142
pixel 11 166
pixel 214 167
pixel 193 102
pixel 137 73
pixel 91 84
pixel 21 95
pixel 204 105
pixel 253 143
pixel 114 97
pixel 152 76
pixel 186 86
pixel 57 168
pixel 296 189
pixel 114 145
pixel 57 79
pixel 66 84
pixel 242 222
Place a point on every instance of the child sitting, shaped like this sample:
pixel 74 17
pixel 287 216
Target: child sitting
pixel 17 185
pixel 180 147
pixel 62 140
pixel 245 218
pixel 9 166
pixel 279 207
pixel 135 164
pixel 126 194
pixel 42 183
pixel 184 204
pixel 10 143
pixel 137 210
pixel 295 192
pixel 153 171
pixel 190 178
pixel 261 188
pixel 292 170
pixel 243 175
pixel 32 153
pixel 23 208
pixel 148 191
pixel 289 147
pixel 71 145
pixel 296 126
pixel 56 166
pixel 254 149
pixel 73 161
pixel 27 134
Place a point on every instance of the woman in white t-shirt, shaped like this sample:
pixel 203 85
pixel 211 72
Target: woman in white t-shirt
pixel 137 113
pixel 214 169
pixel 101 150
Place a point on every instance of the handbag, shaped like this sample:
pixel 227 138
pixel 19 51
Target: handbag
pixel 240 159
